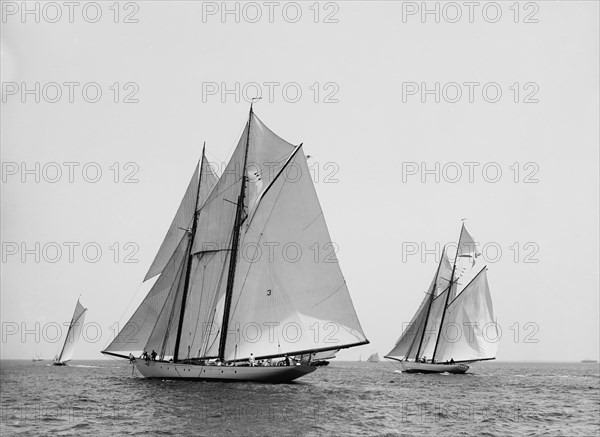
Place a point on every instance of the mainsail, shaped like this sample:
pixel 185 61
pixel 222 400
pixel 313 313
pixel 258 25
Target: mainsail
pixel 73 334
pixel 258 274
pixel 455 321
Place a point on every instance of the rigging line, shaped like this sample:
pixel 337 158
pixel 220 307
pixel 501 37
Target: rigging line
pixel 212 198
pixel 467 286
pixel 127 308
pixel 314 220
pixel 332 294
pixel 177 249
pixel 135 295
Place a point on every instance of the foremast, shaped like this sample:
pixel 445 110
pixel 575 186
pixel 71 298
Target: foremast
pixel 237 224
pixel 188 270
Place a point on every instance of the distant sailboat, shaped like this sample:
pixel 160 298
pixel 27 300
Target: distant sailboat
pixel 373 358
pixel 589 360
pixel 455 323
pixel 217 308
pixel 37 358
pixel 73 334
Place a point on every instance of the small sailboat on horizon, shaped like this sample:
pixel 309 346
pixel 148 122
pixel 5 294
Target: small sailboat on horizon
pixel 37 358
pixel 73 334
pixel 454 325
pixel 229 304
pixel 373 358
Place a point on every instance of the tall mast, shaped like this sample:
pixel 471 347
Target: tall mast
pixel 237 224
pixel 430 304
pixel 188 270
pixel 437 340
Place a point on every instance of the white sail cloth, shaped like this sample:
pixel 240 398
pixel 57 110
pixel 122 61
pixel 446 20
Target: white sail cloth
pixel 182 221
pixel 469 331
pixel 283 301
pixel 288 295
pixel 73 333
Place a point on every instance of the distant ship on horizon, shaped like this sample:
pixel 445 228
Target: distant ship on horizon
pixel 589 360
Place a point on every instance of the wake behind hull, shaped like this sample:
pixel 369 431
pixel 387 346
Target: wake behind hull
pixel 412 367
pixel 268 374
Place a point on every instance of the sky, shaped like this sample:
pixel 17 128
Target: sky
pixel 413 121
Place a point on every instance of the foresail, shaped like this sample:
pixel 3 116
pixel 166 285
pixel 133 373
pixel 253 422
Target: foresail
pixel 411 333
pixel 179 226
pixel 73 333
pixel 289 294
pixel 136 333
pixel 469 331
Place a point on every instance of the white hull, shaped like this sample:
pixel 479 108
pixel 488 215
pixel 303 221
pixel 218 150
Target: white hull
pixel 412 367
pixel 269 374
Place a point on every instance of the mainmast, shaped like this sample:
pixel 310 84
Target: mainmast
pixel 437 342
pixel 430 304
pixel 188 270
pixel 237 224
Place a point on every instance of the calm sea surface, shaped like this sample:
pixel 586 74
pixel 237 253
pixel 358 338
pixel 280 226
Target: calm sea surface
pixel 101 398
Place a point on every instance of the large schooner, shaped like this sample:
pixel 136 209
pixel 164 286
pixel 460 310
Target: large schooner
pixel 248 275
pixel 73 334
pixel 455 324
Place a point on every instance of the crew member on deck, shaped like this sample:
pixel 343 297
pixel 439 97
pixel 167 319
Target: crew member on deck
pixel 251 360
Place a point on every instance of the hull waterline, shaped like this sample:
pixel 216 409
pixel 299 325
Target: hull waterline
pixel 267 374
pixel 412 367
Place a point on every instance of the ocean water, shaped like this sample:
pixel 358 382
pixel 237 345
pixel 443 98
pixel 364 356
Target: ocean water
pixel 102 398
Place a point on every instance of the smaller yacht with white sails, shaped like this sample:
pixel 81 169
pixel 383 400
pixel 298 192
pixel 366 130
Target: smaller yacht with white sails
pixel 73 334
pixel 455 323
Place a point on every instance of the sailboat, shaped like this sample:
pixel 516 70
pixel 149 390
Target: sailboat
pixel 73 334
pixel 37 358
pixel 454 325
pixel 240 290
pixel 373 358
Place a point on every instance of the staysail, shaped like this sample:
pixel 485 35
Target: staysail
pixel 73 334
pixel 263 278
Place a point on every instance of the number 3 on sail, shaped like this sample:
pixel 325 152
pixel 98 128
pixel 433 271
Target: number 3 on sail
pixel 228 307
pixel 455 323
